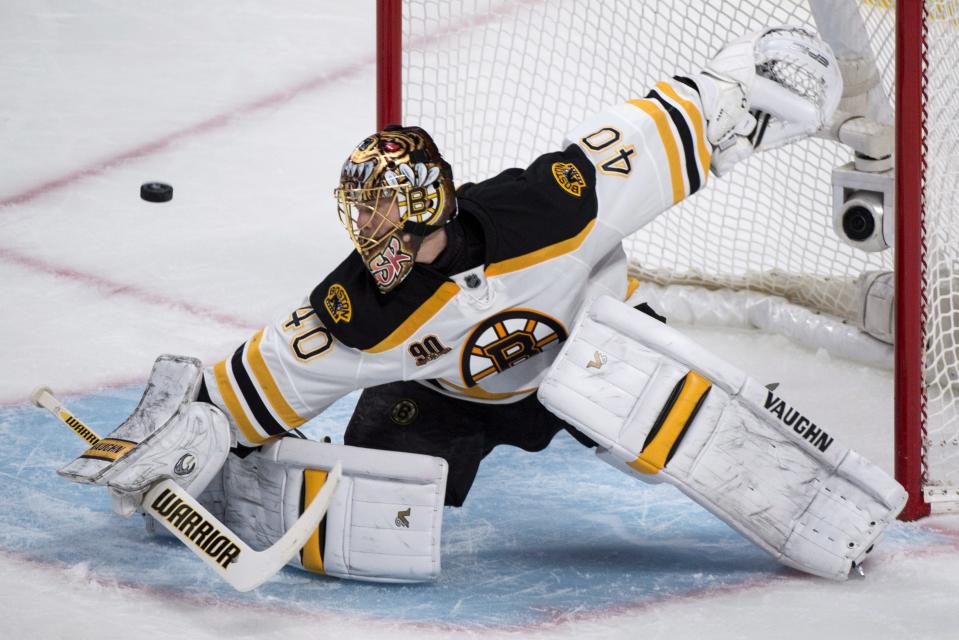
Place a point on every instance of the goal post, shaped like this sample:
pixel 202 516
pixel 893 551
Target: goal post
pixel 909 408
pixel 389 62
pixel 498 82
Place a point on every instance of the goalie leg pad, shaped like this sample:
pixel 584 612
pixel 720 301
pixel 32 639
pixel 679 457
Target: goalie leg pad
pixel 664 409
pixel 383 525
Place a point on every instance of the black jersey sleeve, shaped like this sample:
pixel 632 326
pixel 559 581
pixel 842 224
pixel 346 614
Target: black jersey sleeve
pixel 523 210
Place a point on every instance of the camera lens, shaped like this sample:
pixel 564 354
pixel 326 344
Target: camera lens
pixel 858 223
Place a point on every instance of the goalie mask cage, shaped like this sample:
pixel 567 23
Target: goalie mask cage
pixel 497 83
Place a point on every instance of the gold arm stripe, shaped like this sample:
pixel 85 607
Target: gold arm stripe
pixel 418 318
pixel 109 449
pixel 540 255
pixel 313 481
pixel 233 406
pixel 677 415
pixel 655 112
pixel 697 119
pixel 632 283
pixel 483 394
pixel 268 383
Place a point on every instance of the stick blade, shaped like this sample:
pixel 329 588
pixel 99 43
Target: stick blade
pixel 261 566
pixel 238 564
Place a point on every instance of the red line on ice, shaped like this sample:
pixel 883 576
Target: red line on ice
pixel 210 124
pixel 565 622
pixel 224 119
pixel 111 288
pixel 220 121
pixel 73 392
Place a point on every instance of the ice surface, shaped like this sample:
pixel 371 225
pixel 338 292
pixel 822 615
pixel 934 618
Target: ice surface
pixel 248 108
pixel 550 541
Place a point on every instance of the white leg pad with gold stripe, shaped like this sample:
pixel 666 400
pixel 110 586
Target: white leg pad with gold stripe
pixel 662 408
pixel 383 525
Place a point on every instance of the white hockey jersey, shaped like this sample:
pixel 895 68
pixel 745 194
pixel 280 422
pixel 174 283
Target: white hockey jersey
pixel 553 240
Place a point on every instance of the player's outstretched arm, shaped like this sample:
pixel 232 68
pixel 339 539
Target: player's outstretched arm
pixel 287 373
pixel 761 91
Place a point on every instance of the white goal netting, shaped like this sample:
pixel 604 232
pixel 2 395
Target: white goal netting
pixel 498 83
pixel 941 248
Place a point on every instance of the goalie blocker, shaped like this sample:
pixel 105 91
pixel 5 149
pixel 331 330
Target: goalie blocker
pixel 662 408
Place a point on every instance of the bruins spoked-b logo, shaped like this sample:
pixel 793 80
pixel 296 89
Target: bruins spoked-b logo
pixel 506 339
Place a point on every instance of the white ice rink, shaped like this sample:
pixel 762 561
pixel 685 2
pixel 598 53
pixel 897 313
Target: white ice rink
pixel 248 109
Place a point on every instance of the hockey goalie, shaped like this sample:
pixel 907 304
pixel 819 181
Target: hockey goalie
pixel 500 312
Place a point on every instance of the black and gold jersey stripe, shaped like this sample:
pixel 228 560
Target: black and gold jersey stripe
pixel 475 392
pixel 681 130
pixel 686 138
pixel 695 117
pixel 251 395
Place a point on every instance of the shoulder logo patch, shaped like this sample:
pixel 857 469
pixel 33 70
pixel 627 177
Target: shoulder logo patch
pixel 338 304
pixel 569 178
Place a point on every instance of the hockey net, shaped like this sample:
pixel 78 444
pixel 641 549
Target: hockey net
pixel 498 83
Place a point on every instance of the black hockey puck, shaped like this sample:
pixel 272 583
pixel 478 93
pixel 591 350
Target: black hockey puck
pixel 156 192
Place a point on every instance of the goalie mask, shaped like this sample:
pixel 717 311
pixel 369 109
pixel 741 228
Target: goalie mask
pixel 395 189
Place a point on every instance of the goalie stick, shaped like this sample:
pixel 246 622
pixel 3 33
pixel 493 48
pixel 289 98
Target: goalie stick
pixel 185 518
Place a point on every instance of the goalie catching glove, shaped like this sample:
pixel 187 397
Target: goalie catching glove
pixel 767 89
pixel 664 409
